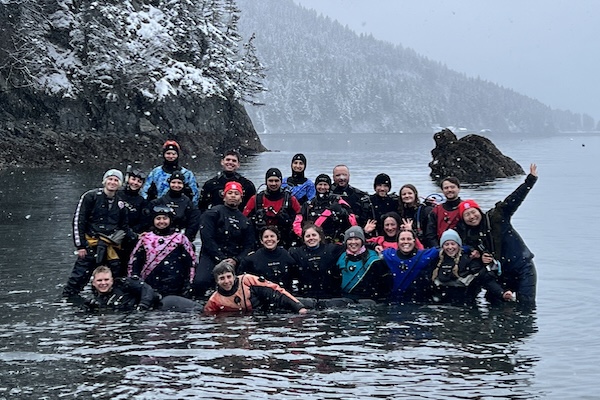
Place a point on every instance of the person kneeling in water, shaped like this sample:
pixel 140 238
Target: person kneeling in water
pixel 129 294
pixel 247 293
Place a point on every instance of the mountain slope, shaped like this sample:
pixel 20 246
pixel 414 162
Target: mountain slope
pixel 323 77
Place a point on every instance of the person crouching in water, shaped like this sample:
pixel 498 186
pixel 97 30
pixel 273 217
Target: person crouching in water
pixel 164 258
pixel 129 294
pixel 458 277
pixel 328 211
pixel 246 293
pixel 364 275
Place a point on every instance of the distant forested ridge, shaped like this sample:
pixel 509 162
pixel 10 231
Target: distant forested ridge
pixel 322 77
pixel 85 80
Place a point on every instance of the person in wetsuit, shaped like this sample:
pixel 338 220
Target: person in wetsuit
pixel 302 188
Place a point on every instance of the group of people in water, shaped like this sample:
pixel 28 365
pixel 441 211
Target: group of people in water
pixel 295 245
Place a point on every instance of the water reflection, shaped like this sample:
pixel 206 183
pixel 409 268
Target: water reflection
pixel 50 350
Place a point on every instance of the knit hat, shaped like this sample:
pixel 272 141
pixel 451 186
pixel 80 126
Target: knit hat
pixel 171 145
pixel 113 172
pixel 354 232
pixel 232 185
pixel 382 179
pixel 323 178
pixel 176 175
pixel 465 205
pixel 300 157
pixel 273 172
pixel 450 234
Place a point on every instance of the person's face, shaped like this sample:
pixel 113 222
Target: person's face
pixel 322 187
pixel 135 183
pixel 451 248
pixel 390 226
pixel 103 282
pixel 472 216
pixel 406 242
pixel 341 176
pixel 382 190
pixel 311 237
pixel 450 190
pixel 233 198
pixel 171 155
pixel 297 166
pixel 230 163
pixel 273 183
pixel 269 240
pixel 176 185
pixel 112 183
pixel 162 221
pixel 225 281
pixel 353 244
pixel 407 196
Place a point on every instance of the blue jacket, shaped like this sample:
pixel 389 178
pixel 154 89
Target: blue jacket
pixel 158 176
pixel 411 273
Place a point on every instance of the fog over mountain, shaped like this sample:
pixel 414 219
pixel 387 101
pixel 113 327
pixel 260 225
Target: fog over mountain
pixel 323 77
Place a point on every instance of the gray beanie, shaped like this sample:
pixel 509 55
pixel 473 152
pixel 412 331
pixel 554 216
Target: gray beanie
pixel 354 232
pixel 113 172
pixel 450 234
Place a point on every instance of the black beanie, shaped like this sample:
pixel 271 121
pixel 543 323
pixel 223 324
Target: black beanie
pixel 300 157
pixel 177 174
pixel 382 179
pixel 273 172
pixel 323 178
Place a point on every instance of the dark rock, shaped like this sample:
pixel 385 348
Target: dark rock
pixel 472 159
pixel 39 130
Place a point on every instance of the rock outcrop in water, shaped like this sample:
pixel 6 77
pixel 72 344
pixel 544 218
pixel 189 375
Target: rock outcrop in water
pixel 109 82
pixel 472 159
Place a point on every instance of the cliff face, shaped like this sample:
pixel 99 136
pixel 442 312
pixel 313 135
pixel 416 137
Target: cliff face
pixel 110 82
pixel 39 130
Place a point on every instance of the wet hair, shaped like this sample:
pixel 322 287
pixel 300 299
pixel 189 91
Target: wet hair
pixel 232 152
pixel 222 268
pixel 272 228
pixel 451 179
pixel 391 214
pixel 412 232
pixel 317 228
pixel 102 269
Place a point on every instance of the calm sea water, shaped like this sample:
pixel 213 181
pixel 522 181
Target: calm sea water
pixel 50 350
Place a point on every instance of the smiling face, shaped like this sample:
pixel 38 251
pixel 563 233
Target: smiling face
pixel 232 198
pixel 297 166
pixel 472 216
pixel 273 183
pixel 390 226
pixel 225 281
pixel 176 185
pixel 171 155
pixel 451 248
pixel 354 244
pixel 406 242
pixel 230 163
pixel 103 282
pixel 408 196
pixel 135 183
pixel 162 221
pixel 311 237
pixel 322 187
pixel 269 240
pixel 450 190
pixel 111 184
pixel 382 190
pixel 341 176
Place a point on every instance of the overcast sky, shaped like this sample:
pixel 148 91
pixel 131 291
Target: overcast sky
pixel 545 49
